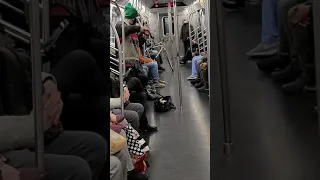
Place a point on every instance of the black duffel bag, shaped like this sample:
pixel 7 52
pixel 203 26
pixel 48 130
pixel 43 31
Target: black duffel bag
pixel 163 104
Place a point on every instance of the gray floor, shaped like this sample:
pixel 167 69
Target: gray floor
pixel 275 135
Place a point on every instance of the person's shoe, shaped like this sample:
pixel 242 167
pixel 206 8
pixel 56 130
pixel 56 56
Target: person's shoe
pixel 159 85
pixel 298 85
pixel 135 175
pixel 198 85
pixel 161 68
pixel 263 50
pixel 203 88
pixel 269 65
pixel 286 75
pixel 151 96
pixel 148 128
pixel 161 81
pixel 192 78
pixel 182 62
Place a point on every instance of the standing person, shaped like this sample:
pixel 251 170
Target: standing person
pixel 185 35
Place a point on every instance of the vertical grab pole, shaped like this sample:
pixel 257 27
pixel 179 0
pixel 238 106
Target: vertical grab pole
pixel 316 26
pixel 190 33
pixel 202 29
pixel 37 81
pixel 45 21
pixel 217 41
pixel 177 51
pixel 122 57
pixel 46 28
pixel 170 27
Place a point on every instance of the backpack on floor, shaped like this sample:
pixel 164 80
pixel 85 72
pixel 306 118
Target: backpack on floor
pixel 163 104
pixel 15 82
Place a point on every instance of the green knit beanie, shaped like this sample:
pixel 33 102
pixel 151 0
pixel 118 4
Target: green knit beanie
pixel 130 11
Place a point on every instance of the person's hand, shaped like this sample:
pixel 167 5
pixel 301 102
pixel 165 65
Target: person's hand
pixel 193 42
pixel 126 94
pixel 203 53
pixel 204 65
pixel 193 54
pixel 9 173
pixel 113 118
pixel 53 104
pixel 299 15
pixel 145 28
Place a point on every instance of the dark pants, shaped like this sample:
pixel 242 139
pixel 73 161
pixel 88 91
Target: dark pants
pixel 186 44
pixel 72 155
pixel 85 93
pixel 187 56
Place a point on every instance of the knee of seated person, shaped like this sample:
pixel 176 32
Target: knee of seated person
pixel 96 145
pixel 140 108
pixel 73 167
pixel 115 166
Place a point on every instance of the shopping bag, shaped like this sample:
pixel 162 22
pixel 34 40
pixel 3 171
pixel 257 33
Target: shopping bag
pixel 138 148
pixel 117 142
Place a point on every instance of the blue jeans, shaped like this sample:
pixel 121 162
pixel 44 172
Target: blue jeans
pixel 269 34
pixel 195 59
pixel 153 70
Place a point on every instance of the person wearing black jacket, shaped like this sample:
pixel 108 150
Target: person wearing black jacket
pixel 185 35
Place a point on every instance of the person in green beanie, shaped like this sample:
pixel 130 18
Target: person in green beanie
pixel 131 51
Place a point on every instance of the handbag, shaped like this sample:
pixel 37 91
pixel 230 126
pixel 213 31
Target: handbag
pixel 163 104
pixel 117 142
pixel 138 148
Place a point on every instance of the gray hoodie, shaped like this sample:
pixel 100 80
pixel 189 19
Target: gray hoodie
pixel 17 132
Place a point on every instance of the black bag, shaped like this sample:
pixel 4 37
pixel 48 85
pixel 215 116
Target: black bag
pixel 163 104
pixel 15 82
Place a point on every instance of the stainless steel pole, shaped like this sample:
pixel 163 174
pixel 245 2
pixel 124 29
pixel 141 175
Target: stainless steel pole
pixel 190 33
pixel 122 56
pixel 177 50
pixel 316 26
pixel 37 80
pixel 216 43
pixel 46 28
pixel 170 29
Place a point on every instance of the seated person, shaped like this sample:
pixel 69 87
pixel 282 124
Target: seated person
pixel 126 164
pixel 296 51
pixel 269 34
pixel 195 59
pixel 201 83
pixel 151 53
pixel 67 155
pixel 188 55
pixel 204 76
pixel 132 49
pixel 133 112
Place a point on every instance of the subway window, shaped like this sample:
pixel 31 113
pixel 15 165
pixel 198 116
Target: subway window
pixel 165 25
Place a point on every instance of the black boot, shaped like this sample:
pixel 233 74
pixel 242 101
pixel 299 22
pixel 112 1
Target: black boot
pixel 198 85
pixel 271 64
pixel 151 96
pixel 298 85
pixel 147 128
pixel 289 74
pixel 144 125
pixel 135 175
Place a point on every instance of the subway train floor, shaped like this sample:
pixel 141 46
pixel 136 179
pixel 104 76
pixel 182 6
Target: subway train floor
pixel 275 135
pixel 180 150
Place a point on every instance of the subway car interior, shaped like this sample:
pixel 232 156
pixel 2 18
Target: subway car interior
pixel 194 89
